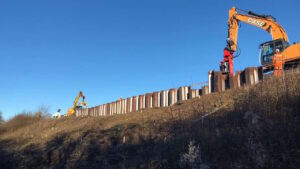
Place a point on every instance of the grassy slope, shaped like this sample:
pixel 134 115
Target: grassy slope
pixel 253 127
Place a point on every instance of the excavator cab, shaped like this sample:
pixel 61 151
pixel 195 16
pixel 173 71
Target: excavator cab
pixel 268 50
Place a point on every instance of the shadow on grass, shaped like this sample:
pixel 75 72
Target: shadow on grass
pixel 262 130
pixel 230 140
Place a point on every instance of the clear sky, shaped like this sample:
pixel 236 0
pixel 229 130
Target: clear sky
pixel 51 49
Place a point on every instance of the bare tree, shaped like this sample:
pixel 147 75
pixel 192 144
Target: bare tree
pixel 43 111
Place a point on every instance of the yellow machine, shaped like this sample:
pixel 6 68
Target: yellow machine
pixel 76 105
pixel 291 53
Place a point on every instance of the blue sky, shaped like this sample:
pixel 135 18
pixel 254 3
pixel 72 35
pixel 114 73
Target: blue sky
pixel 49 50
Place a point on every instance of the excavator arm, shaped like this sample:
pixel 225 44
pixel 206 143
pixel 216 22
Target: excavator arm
pixel 80 95
pixel 265 22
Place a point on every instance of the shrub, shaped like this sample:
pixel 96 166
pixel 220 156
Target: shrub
pixel 1 118
pixel 21 120
pixel 192 159
pixel 2 129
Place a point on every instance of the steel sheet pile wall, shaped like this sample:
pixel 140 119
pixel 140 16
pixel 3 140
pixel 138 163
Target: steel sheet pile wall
pixel 78 113
pixel 204 90
pixel 123 106
pixel 148 100
pixel 102 109
pixel 173 97
pixel 113 108
pixel 91 111
pixel 118 107
pixel 81 112
pixel 193 93
pixel 156 99
pixel 252 76
pixel 183 93
pixel 237 79
pixel 217 82
pixel 141 102
pixel 96 111
pixel 135 103
pixel 108 109
pixel 164 98
pixel 128 105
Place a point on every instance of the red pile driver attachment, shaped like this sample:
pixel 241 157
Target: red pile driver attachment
pixel 226 66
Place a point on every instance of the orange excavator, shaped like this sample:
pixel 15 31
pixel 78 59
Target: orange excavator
pixel 290 53
pixel 76 105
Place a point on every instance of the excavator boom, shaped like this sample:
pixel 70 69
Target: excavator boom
pixel 265 22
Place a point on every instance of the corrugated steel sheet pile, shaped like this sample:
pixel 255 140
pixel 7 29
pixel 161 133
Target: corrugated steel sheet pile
pixel 217 82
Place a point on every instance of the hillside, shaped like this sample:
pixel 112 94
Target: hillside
pixel 248 128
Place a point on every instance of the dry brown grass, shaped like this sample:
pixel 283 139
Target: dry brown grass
pixel 259 121
pixel 19 122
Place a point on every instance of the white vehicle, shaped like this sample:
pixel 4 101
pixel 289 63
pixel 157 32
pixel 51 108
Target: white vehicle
pixel 57 115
